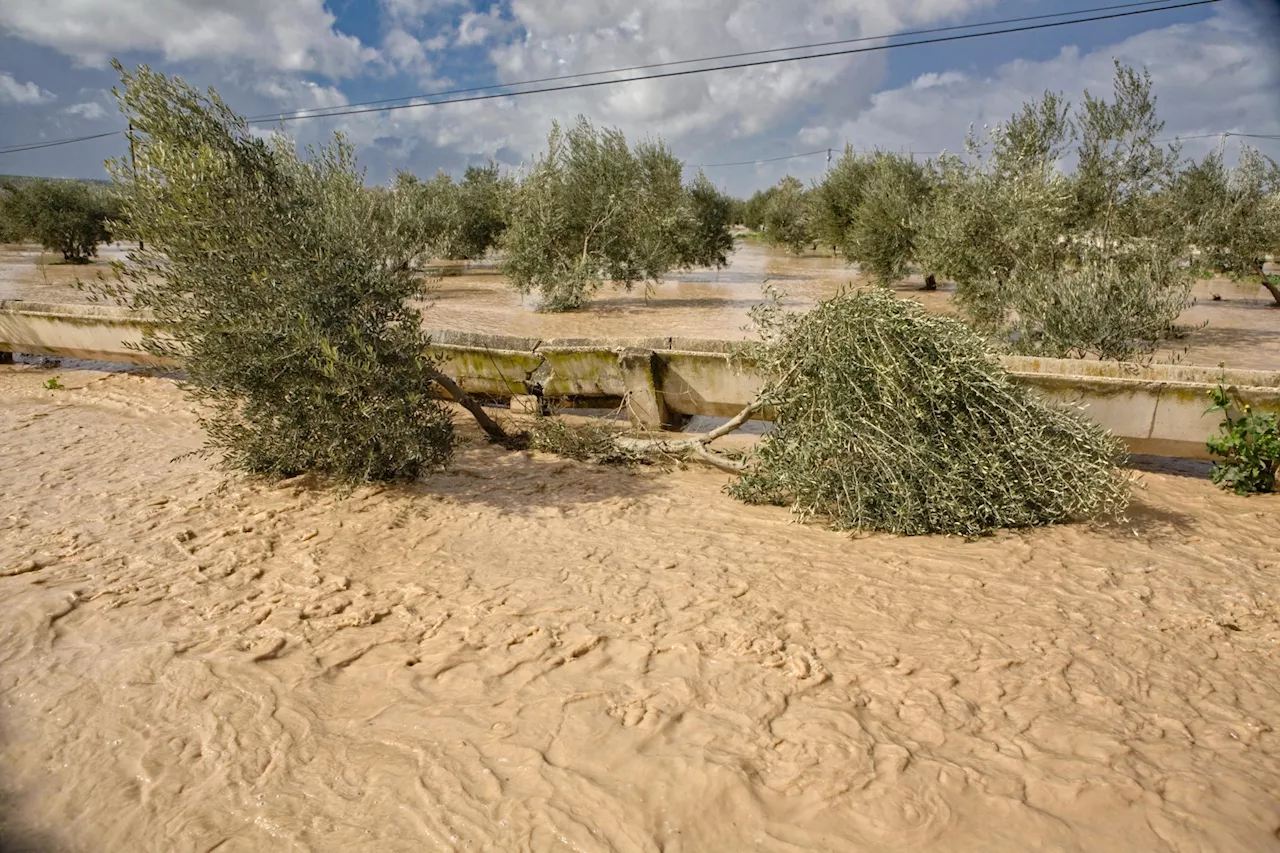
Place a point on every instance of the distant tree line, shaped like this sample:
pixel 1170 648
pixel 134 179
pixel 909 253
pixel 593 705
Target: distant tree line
pixel 1098 261
pixel 591 210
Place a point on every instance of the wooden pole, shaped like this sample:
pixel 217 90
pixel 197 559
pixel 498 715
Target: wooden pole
pixel 133 167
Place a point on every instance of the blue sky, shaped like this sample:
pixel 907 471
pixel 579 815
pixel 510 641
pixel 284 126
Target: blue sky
pixel 1215 69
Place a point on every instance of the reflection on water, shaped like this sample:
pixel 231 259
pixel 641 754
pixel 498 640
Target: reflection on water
pixel 1243 328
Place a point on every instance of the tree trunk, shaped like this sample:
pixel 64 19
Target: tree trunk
pixel 1266 282
pixel 488 424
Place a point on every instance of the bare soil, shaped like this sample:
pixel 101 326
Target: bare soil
pixel 526 653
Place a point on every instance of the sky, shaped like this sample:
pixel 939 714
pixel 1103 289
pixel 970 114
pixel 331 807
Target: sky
pixel 1215 69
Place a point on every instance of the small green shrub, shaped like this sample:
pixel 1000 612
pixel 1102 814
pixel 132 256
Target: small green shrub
pixel 1249 446
pixel 53 384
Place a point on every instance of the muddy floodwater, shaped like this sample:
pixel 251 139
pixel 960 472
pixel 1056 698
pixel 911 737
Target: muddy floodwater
pixel 530 654
pixel 1241 328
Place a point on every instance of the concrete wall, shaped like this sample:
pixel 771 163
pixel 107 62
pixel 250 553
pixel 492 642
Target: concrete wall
pixel 1156 409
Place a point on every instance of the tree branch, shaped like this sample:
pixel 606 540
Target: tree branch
pixel 488 424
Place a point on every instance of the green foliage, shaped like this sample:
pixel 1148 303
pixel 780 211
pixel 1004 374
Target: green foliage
pixel 1122 170
pixel 593 210
pixel 1249 446
pixel 881 233
pixel 586 440
pixel 787 216
pixel 1057 265
pixel 459 221
pixel 1233 215
pixel 283 289
pixel 889 418
pixel 755 208
pixel 835 200
pixel 71 217
pixel 53 384
pixel 709 243
pixel 1097 308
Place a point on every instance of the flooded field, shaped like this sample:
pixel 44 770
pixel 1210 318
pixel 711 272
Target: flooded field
pixel 531 654
pixel 1243 329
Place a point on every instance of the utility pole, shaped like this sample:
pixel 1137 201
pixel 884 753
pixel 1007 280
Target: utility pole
pixel 133 167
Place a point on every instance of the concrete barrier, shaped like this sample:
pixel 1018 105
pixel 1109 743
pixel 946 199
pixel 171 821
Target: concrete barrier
pixel 1156 409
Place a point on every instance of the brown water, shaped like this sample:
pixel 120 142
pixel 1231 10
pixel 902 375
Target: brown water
pixel 1243 328
pixel 526 653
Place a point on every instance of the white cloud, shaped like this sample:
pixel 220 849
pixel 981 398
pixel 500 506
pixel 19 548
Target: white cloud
pixel 90 111
pixel 294 93
pixel 415 10
pixel 13 92
pixel 697 115
pixel 1207 77
pixel 479 27
pixel 932 79
pixel 285 35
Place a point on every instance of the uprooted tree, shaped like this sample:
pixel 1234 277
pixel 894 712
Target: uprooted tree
pixel 282 290
pixel 593 210
pixel 889 418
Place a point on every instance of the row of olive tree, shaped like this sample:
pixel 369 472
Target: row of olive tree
pixel 457 220
pixel 1094 262
pixel 71 217
pixel 590 211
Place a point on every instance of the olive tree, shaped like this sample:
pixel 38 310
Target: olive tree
pixel 281 289
pixel 882 230
pixel 835 199
pixel 709 243
pixel 788 215
pixel 593 210
pixel 1232 214
pixel 71 217
pixel 887 417
pixel 1065 266
pixel 755 208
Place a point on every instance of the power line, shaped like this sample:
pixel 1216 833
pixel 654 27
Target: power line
pixel 754 162
pixel 687 72
pixel 36 145
pixel 324 111
pixel 759 62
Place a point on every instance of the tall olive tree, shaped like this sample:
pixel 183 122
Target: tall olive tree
pixel 788 216
pixel 593 210
pixel 281 289
pixel 881 234
pixel 835 199
pixel 1057 265
pixel 709 243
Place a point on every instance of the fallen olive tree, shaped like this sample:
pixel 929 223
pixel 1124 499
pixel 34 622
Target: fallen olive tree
pixel 889 418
